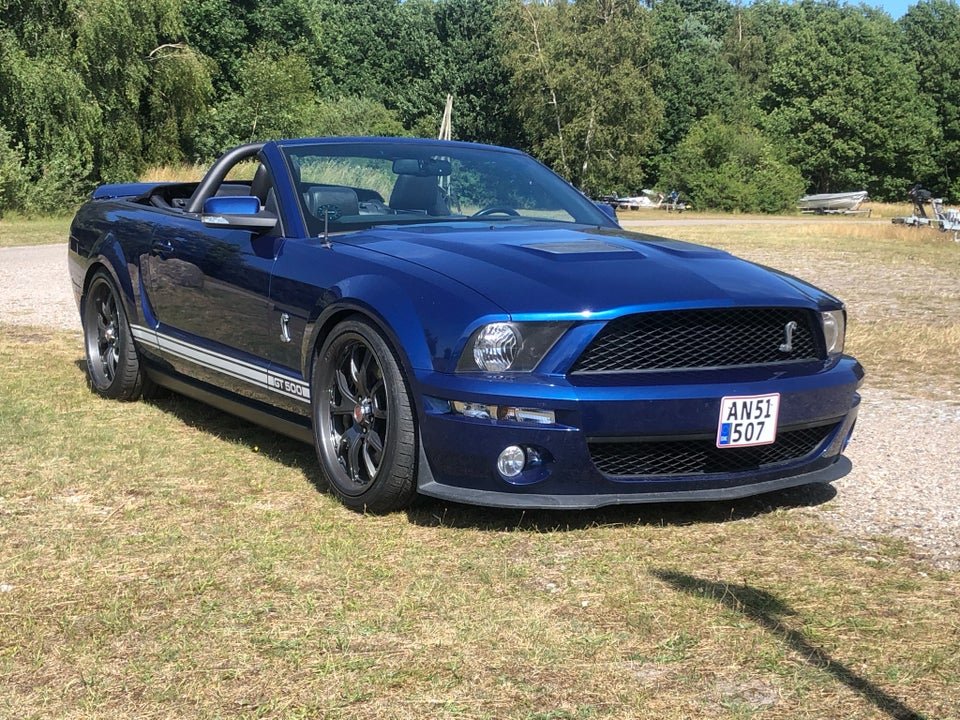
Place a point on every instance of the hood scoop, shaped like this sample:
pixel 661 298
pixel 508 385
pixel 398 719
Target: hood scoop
pixel 580 248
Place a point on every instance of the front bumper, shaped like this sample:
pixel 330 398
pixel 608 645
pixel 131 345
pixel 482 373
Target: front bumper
pixel 459 455
pixel 538 501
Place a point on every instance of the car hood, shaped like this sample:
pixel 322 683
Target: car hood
pixel 545 269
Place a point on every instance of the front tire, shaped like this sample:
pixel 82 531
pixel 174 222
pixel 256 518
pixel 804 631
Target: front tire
pixel 113 366
pixel 363 421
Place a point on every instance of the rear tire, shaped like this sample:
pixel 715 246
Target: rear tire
pixel 113 366
pixel 363 421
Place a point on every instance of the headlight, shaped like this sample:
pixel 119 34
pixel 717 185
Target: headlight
pixel 495 347
pixel 503 346
pixel 834 330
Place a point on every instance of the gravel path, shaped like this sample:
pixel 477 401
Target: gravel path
pixel 905 451
pixel 906 458
pixel 35 287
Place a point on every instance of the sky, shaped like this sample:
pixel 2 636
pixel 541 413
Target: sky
pixel 894 8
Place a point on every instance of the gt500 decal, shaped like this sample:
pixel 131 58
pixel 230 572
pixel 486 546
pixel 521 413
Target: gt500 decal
pixel 287 386
pixel 223 364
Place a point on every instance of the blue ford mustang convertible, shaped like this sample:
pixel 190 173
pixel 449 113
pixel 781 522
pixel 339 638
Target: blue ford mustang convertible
pixel 455 320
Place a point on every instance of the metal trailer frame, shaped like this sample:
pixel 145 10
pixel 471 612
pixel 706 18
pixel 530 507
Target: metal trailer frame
pixel 944 219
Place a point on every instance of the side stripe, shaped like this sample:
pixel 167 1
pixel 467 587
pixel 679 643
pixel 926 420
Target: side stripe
pixel 247 372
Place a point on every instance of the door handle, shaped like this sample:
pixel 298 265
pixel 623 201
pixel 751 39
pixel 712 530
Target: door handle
pixel 162 247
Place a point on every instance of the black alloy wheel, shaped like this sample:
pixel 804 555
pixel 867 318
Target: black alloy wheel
pixel 113 366
pixel 363 420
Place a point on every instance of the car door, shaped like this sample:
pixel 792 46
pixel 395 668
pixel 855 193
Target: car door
pixel 303 274
pixel 208 292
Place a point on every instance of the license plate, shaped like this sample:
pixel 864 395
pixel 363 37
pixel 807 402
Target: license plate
pixel 747 420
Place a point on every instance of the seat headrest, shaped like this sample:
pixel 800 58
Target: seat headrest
pixel 335 201
pixel 412 192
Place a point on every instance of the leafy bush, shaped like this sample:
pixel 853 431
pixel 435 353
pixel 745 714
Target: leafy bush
pixel 60 185
pixel 355 116
pixel 11 173
pixel 732 168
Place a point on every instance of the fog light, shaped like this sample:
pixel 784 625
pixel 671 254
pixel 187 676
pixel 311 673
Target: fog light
pixel 511 461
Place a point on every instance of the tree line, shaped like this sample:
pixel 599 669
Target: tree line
pixel 736 107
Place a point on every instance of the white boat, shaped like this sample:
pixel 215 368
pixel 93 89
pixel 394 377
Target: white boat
pixel 649 199
pixel 833 202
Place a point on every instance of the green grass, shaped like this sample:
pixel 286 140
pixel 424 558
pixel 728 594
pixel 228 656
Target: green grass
pixel 164 560
pixel 33 231
pixel 160 559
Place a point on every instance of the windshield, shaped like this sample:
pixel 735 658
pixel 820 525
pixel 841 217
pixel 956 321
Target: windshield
pixel 346 185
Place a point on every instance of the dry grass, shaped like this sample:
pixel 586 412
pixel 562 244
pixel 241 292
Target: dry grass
pixel 174 173
pixel 195 172
pixel 162 560
pixel 870 210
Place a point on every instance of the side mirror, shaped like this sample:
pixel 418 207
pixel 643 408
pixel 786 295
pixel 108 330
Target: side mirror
pixel 608 210
pixel 237 212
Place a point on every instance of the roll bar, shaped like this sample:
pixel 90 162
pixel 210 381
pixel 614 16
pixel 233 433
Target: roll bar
pixel 217 172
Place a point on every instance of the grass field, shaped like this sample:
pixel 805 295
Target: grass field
pixel 33 231
pixel 162 560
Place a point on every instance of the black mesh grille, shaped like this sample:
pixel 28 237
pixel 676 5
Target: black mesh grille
pixel 702 456
pixel 690 339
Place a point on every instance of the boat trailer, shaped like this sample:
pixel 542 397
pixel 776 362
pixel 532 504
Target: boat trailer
pixel 944 219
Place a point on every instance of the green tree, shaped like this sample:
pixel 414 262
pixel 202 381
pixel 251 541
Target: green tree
pixel 45 105
pixel 408 56
pixel 752 40
pixel 55 122
pixel 227 30
pixel 473 71
pixel 696 79
pixel 176 97
pixel 358 52
pixel 932 33
pixel 11 173
pixel 581 86
pixel 91 90
pixel 845 105
pixel 275 98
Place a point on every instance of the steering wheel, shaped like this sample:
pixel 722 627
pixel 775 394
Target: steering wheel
pixel 496 209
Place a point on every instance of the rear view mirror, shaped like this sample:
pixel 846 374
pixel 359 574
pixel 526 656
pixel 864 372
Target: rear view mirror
pixel 429 167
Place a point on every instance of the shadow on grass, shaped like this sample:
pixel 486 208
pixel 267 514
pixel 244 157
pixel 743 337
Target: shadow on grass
pixel 429 512
pixel 230 428
pixel 769 612
pixel 208 419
